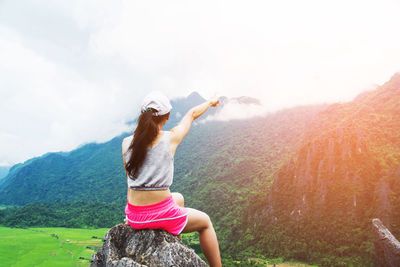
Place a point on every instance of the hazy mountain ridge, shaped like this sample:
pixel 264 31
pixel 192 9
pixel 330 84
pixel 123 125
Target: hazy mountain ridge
pixel 71 176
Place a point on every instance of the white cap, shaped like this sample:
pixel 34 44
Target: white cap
pixel 158 101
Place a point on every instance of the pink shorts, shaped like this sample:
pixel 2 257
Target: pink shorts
pixel 165 215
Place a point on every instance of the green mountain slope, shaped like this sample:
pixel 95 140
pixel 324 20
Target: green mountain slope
pixel 93 172
pixel 347 171
pixel 63 177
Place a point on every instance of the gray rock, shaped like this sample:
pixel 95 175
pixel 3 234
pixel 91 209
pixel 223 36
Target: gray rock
pixel 387 247
pixel 125 246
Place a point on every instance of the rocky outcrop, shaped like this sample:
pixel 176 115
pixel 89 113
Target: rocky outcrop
pixel 125 246
pixel 387 247
pixel 334 175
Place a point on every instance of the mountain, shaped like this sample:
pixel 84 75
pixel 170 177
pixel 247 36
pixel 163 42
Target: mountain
pixel 346 172
pixel 63 177
pixel 181 105
pixel 75 175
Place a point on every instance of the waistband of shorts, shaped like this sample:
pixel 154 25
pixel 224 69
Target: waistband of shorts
pixel 156 206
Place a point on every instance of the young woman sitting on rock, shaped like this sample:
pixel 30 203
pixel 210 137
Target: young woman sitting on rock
pixel 149 164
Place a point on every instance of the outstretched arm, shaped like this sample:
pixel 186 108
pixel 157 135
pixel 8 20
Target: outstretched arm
pixel 180 131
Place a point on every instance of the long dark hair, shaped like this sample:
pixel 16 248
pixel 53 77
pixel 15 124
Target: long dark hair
pixel 145 133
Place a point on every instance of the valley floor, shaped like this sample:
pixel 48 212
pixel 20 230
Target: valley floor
pixel 57 246
pixel 48 246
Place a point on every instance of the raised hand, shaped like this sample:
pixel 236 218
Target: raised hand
pixel 214 100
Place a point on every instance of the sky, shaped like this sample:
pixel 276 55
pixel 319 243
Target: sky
pixel 73 72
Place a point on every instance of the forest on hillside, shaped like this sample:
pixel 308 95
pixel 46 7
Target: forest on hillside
pixel 347 172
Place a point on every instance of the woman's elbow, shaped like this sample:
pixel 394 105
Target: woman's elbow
pixel 190 116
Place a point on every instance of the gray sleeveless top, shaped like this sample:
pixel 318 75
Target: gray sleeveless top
pixel 157 170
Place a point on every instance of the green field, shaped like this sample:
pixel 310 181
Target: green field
pixel 48 246
pixel 59 246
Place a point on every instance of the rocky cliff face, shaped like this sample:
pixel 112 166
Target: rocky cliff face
pixel 335 173
pixel 125 246
pixel 387 247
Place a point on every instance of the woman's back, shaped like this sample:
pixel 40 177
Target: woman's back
pixel 156 172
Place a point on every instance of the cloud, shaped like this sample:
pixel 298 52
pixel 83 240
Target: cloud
pixel 48 106
pixel 233 110
pixel 75 71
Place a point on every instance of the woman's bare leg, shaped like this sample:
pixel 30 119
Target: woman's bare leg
pixel 199 221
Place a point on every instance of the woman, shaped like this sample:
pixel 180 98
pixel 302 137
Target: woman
pixel 148 159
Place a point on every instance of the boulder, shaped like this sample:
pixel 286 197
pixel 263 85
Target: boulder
pixel 387 247
pixel 125 246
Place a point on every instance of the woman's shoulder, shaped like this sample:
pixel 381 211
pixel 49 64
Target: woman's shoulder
pixel 126 142
pixel 127 139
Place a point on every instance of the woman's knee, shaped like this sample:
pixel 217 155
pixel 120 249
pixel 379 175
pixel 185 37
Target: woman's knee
pixel 197 221
pixel 178 198
pixel 206 220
